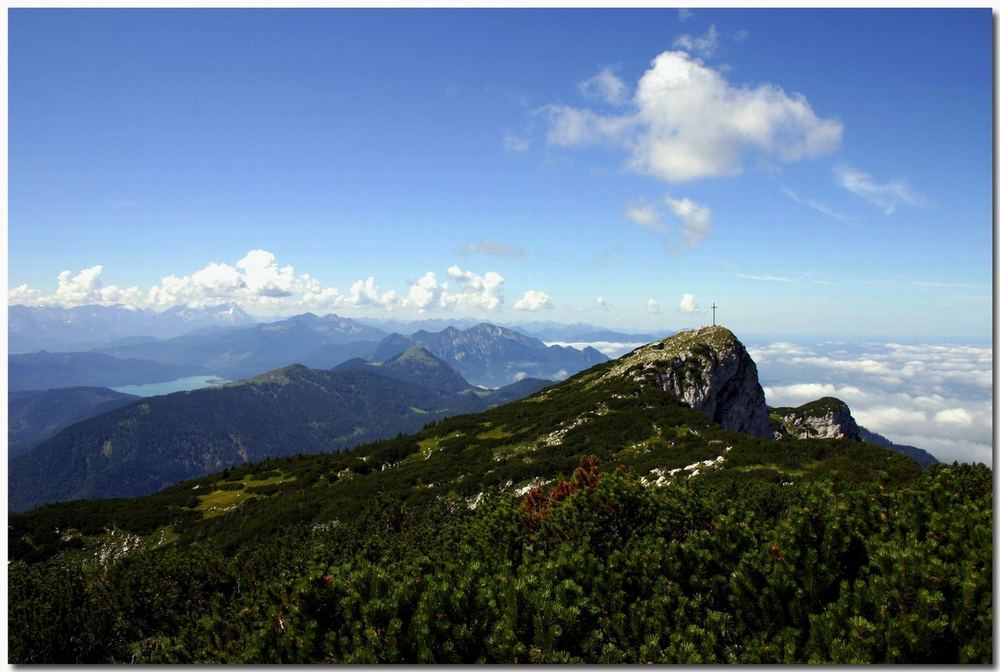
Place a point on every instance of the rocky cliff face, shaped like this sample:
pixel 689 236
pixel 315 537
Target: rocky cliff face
pixel 710 370
pixel 826 418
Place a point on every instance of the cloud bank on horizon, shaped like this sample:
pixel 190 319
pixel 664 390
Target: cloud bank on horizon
pixel 260 285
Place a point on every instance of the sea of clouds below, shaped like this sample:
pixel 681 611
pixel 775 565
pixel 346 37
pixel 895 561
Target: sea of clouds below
pixel 937 397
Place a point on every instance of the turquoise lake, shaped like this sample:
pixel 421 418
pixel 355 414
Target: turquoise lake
pixel 170 386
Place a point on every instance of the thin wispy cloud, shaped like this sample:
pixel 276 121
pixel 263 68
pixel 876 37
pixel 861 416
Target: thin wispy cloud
pixel 816 205
pixel 490 248
pixel 765 278
pixel 944 285
pixel 606 86
pixel 514 144
pixel 699 45
pixel 885 195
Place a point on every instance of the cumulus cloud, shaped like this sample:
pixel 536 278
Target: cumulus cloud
pixel 693 220
pixel 425 293
pixel 700 45
pixel 491 248
pixel 533 300
pixel 600 303
pixel 366 293
pixel 686 122
pixel 515 144
pixel 474 292
pixel 262 286
pixel 934 396
pixel 885 195
pixel 647 216
pixel 696 220
pixel 653 307
pixel 688 304
pixel 605 86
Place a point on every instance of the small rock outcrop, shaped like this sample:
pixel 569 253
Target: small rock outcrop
pixel 826 418
pixel 708 369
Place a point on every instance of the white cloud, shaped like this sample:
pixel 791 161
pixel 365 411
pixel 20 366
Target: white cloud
pixel 645 215
pixel 684 15
pixel 653 307
pixel 696 220
pixel 514 144
pixel 24 295
pixel 533 300
pixel 425 293
pixel 367 293
pixel 799 393
pixel 605 86
pixel 885 195
pixel 701 45
pixel 688 305
pixel 600 303
pixel 261 286
pixel 477 291
pixel 740 36
pixel 954 416
pixel 687 122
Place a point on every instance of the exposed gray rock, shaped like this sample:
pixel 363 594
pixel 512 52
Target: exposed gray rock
pixel 708 369
pixel 826 418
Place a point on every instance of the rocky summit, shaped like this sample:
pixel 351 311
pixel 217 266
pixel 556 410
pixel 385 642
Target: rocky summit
pixel 708 369
pixel 826 418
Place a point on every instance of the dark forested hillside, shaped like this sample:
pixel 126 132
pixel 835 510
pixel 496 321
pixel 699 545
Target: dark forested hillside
pixel 35 416
pixel 138 449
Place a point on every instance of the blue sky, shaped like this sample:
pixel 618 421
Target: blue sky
pixel 815 173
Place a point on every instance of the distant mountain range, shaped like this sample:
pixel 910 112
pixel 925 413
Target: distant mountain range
pixel 492 356
pixel 34 328
pixel 581 333
pixel 47 370
pixel 319 342
pixel 34 416
pixel 139 448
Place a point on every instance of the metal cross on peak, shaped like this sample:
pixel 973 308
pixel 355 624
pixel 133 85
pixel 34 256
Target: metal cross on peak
pixel 713 313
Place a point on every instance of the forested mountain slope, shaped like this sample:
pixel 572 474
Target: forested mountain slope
pixel 599 520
